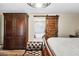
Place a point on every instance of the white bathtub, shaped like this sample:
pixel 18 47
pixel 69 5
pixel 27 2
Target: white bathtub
pixel 64 46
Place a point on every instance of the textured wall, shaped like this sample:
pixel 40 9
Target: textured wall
pixel 1 28
pixel 68 24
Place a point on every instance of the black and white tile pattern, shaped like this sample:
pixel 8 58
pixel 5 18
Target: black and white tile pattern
pixel 33 53
pixel 34 46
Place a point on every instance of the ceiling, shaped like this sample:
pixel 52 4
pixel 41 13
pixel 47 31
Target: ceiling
pixel 53 8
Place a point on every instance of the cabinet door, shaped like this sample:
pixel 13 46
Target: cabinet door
pixel 8 24
pixel 8 31
pixel 20 31
pixel 9 43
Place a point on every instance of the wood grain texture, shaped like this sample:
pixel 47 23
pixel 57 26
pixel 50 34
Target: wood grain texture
pixel 16 30
pixel 51 26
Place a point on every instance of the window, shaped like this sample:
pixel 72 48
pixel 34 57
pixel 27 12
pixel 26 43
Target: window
pixel 39 27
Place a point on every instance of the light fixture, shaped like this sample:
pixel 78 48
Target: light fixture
pixel 39 5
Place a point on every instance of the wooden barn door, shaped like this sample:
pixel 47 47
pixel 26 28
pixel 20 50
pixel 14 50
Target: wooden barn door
pixel 51 26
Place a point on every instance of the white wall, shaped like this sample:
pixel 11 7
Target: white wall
pixel 31 27
pixel 1 28
pixel 68 24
